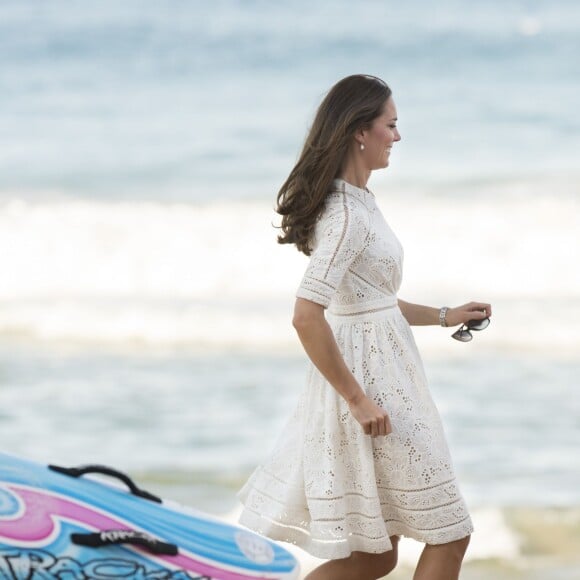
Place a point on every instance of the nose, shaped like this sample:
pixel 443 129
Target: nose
pixel 397 135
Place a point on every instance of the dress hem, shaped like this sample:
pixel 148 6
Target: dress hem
pixel 342 548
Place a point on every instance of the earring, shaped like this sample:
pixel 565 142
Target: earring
pixel 362 146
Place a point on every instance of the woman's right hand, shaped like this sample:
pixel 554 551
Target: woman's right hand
pixel 374 420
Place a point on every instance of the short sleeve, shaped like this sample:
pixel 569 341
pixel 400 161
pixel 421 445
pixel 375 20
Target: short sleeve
pixel 340 236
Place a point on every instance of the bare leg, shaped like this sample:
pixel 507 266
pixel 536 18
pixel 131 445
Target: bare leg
pixel 441 561
pixel 359 565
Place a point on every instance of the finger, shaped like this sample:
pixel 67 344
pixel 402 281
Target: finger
pixel 481 309
pixel 382 429
pixel 374 428
pixel 486 310
pixel 388 426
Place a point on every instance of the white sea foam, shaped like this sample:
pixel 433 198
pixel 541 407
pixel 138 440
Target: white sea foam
pixel 212 275
pixel 492 538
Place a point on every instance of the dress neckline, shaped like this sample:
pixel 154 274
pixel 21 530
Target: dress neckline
pixel 363 194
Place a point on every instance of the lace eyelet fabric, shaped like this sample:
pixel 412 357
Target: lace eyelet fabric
pixel 327 486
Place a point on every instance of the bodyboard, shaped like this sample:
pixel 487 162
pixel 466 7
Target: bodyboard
pixel 59 523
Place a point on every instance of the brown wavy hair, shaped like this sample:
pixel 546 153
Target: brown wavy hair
pixel 351 104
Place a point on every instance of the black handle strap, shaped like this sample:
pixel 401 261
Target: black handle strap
pixel 103 469
pixel 109 537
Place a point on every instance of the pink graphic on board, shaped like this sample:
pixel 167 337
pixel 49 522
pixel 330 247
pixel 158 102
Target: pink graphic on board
pixel 36 524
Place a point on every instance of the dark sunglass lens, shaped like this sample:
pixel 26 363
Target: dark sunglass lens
pixel 478 324
pixel 462 335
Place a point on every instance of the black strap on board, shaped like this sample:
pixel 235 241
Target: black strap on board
pixel 104 470
pixel 109 537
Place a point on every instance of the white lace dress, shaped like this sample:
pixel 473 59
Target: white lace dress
pixel 327 486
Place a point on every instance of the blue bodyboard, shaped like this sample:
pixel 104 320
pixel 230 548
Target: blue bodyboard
pixel 57 523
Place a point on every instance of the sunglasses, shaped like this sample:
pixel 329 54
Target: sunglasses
pixel 464 334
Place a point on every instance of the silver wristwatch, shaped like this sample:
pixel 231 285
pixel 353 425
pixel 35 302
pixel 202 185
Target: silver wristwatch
pixel 442 314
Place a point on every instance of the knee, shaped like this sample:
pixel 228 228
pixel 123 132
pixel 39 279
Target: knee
pixel 464 542
pixel 389 559
pixel 390 564
pixel 392 555
pixel 459 547
pixel 386 563
pixel 374 566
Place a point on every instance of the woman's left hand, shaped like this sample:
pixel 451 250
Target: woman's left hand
pixel 469 311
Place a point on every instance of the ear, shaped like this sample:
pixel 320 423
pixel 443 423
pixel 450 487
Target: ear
pixel 359 135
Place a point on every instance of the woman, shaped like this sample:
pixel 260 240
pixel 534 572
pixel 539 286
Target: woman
pixel 363 460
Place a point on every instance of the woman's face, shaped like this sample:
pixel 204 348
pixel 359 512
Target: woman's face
pixel 378 140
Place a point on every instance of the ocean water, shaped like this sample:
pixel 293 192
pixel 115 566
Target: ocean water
pixel 196 101
pixel 145 306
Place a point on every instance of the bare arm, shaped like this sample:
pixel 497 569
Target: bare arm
pixel 419 315
pixel 318 341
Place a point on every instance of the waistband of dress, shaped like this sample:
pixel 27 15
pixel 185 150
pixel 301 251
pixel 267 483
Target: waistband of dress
pixel 362 312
